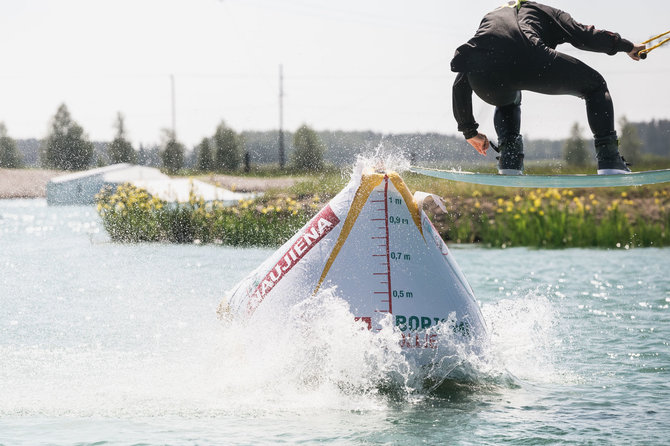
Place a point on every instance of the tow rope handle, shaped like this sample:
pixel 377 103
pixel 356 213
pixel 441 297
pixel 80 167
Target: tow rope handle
pixel 643 53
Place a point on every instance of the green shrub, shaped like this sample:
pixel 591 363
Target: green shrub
pixel 130 214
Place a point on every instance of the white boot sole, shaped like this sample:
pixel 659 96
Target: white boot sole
pixel 613 172
pixel 510 172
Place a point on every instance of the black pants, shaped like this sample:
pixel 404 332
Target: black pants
pixel 548 72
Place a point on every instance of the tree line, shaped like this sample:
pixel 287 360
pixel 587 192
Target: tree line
pixel 576 153
pixel 67 147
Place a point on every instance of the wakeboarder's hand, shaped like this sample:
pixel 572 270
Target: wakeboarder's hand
pixel 635 54
pixel 480 143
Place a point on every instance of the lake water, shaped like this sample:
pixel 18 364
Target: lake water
pixel 103 343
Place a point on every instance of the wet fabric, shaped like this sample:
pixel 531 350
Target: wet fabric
pixel 514 50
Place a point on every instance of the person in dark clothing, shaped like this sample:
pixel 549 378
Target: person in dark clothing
pixel 514 49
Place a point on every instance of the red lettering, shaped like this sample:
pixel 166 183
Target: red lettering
pixel 310 235
pixel 367 320
pixel 422 340
pixel 321 224
pixel 300 247
pixel 287 261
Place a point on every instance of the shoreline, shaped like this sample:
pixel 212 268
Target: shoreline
pixel 32 183
pixel 25 183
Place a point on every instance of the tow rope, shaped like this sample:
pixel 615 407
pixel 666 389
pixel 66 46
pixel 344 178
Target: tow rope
pixel 643 53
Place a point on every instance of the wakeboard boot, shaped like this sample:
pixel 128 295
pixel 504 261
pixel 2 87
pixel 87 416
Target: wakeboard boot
pixel 610 161
pixel 510 161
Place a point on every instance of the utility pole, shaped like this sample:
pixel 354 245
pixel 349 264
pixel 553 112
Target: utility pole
pixel 174 110
pixel 282 161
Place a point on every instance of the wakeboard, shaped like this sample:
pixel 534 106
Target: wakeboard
pixel 547 181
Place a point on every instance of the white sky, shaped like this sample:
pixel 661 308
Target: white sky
pixel 379 65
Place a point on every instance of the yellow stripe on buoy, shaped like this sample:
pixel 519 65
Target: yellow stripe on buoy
pixel 368 183
pixel 409 199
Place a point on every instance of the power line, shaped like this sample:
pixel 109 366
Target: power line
pixel 281 117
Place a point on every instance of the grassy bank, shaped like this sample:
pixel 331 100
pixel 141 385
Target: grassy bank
pixel 130 214
pixel 492 216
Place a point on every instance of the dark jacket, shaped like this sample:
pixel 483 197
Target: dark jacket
pixel 510 36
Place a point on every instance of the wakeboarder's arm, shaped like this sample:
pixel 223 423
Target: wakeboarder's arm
pixel 587 37
pixel 462 105
pixel 591 39
pixel 461 101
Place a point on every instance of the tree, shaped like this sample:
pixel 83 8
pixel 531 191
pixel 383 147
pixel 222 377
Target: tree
pixel 630 143
pixel 66 147
pixel 205 159
pixel 120 150
pixel 574 150
pixel 227 148
pixel 308 149
pixel 172 154
pixel 142 156
pixel 9 153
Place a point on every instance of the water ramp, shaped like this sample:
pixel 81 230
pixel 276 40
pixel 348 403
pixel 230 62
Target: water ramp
pixel 544 181
pixel 373 245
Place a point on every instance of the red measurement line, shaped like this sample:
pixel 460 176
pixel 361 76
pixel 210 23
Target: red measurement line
pixel 388 242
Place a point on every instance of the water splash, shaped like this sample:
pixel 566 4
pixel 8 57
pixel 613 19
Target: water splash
pixel 383 157
pixel 525 338
pixel 316 345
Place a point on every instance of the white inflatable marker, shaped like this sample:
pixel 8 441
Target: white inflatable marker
pixel 380 253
